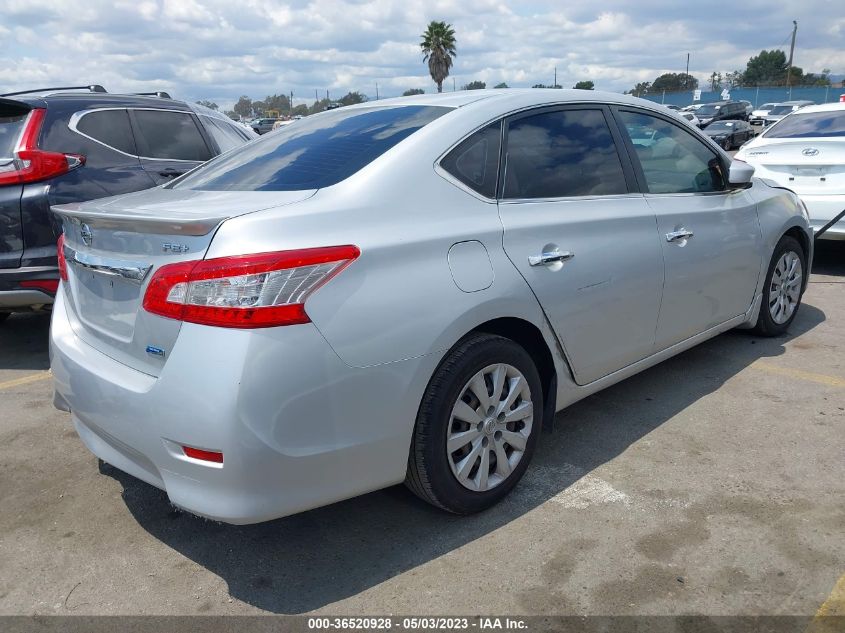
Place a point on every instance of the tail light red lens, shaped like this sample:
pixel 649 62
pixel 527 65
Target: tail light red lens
pixel 246 291
pixel 31 164
pixel 60 247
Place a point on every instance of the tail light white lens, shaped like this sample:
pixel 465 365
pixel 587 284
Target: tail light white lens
pixel 247 291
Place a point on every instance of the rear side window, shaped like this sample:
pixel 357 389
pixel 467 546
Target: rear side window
pixel 110 127
pixel 810 125
pixel 475 162
pixel 561 154
pixel 169 135
pixel 12 119
pixel 319 151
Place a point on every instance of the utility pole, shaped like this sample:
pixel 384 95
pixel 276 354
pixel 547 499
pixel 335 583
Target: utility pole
pixel 554 85
pixel 453 84
pixel 791 51
pixel 291 103
pixel 686 75
pixel 376 91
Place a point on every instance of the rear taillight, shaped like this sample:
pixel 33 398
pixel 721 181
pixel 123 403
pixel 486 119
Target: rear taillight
pixel 60 248
pixel 31 164
pixel 246 291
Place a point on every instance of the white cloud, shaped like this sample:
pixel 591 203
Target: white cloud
pixel 220 49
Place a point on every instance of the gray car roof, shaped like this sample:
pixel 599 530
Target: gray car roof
pixel 500 100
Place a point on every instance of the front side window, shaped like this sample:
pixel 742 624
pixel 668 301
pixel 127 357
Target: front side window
pixel 110 127
pixel 475 162
pixel 560 154
pixel 319 151
pixel 672 159
pixel 169 135
pixel 810 125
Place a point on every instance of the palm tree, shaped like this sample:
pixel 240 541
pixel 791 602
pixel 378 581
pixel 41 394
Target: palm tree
pixel 438 47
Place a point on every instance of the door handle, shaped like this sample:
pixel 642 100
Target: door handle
pixel 550 258
pixel 679 236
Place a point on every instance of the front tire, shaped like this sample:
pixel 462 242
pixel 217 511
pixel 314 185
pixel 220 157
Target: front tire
pixel 727 144
pixel 477 425
pixel 783 288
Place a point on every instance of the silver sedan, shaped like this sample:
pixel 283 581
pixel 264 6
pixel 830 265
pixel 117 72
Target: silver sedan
pixel 405 291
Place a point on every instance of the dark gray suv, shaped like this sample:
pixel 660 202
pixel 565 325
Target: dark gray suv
pixel 72 145
pixel 721 111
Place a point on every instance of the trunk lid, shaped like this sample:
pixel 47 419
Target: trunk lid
pixel 808 167
pixel 113 246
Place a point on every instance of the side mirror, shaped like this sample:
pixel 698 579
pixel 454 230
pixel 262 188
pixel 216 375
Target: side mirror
pixel 739 175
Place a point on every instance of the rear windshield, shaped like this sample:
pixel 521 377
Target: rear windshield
pixel 319 151
pixel 810 125
pixel 11 125
pixel 709 109
pixel 781 109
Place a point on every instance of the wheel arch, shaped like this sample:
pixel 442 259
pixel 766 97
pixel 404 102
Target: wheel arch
pixel 530 338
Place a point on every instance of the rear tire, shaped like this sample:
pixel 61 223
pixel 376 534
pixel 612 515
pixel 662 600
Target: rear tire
pixel 783 289
pixel 485 403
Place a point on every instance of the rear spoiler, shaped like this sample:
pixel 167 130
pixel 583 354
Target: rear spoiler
pixel 140 221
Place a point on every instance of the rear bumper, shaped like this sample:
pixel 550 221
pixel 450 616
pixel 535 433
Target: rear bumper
pixel 823 209
pixel 297 427
pixel 15 297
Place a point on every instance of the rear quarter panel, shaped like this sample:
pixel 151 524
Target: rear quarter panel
pixel 398 300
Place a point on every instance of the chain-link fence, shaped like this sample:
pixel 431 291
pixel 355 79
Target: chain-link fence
pixel 757 96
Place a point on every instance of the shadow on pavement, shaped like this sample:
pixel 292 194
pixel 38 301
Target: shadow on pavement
pixel 307 561
pixel 829 258
pixel 24 341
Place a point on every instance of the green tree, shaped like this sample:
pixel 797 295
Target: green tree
pixel 413 91
pixel 715 81
pixel 501 85
pixel 208 104
pixel 734 79
pixel 766 69
pixel 351 98
pixel 674 82
pixel 584 85
pixel 319 106
pixel 545 86
pixel 243 108
pixel 641 89
pixel 300 110
pixel 232 115
pixel 474 85
pixel 438 49
pixel 280 103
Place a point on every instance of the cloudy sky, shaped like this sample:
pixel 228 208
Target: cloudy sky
pixel 220 49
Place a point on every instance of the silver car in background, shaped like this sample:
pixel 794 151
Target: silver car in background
pixel 405 290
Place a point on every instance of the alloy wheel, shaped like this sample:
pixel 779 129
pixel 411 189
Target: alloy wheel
pixel 489 427
pixel 785 287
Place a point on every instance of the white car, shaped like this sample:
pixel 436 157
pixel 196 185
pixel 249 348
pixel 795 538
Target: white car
pixel 689 116
pixel 780 110
pixel 759 115
pixel 805 152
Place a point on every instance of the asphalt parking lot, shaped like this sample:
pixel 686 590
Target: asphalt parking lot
pixel 710 484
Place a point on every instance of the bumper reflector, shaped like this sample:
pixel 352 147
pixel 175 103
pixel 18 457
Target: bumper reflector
pixel 47 285
pixel 206 456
